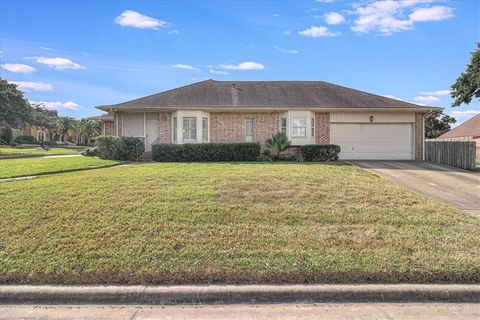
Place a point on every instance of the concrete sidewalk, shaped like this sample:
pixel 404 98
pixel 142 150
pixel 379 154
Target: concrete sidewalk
pixel 233 294
pixel 411 311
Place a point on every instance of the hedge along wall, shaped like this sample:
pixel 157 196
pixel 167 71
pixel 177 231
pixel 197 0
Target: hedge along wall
pixel 206 152
pixel 119 148
pixel 320 152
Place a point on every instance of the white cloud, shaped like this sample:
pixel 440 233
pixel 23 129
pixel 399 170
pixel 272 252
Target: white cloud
pixel 426 100
pixel 325 1
pixel 276 15
pixel 247 65
pixel 219 72
pixel 392 97
pixel 388 17
pixel 32 86
pixel 334 18
pixel 57 105
pixel 436 93
pixel 287 51
pixel 59 63
pixel 461 116
pixel 183 66
pixel 18 68
pixel 434 13
pixel 316 32
pixel 134 19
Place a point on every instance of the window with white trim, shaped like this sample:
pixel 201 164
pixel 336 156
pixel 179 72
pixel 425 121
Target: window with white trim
pixel 41 136
pixel 189 128
pixel 249 130
pixel 174 129
pixel 299 127
pixel 283 125
pixel 205 129
pixel 313 127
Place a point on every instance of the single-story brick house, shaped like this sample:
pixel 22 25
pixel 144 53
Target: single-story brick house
pixel 467 131
pixel 366 126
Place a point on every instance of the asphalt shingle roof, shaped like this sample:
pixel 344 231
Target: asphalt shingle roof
pixel 470 128
pixel 267 94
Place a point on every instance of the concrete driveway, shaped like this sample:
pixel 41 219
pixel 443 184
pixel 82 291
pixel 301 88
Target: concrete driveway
pixel 455 187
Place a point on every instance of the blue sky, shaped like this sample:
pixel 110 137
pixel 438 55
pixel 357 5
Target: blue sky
pixel 75 55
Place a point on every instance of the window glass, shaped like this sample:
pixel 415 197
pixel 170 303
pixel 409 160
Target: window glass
pixel 313 127
pixel 205 129
pixel 299 127
pixel 249 130
pixel 189 128
pixel 283 125
pixel 175 129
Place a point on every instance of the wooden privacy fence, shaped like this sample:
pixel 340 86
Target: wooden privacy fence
pixel 460 154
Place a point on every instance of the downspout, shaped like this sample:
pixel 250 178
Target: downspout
pixel 423 136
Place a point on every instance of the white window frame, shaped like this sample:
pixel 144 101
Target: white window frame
pixel 249 136
pixel 295 126
pixel 205 131
pixel 191 128
pixel 38 135
pixel 284 126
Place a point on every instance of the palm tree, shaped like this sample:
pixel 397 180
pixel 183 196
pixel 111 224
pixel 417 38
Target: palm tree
pixel 65 126
pixel 88 129
pixel 277 144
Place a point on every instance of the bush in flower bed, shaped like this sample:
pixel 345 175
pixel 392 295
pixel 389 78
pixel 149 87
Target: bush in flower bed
pixel 320 152
pixel 206 152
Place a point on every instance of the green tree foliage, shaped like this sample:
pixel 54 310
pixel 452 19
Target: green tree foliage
pixel 43 118
pixel 64 126
pixel 277 144
pixel 467 85
pixel 15 111
pixel 6 136
pixel 88 129
pixel 437 123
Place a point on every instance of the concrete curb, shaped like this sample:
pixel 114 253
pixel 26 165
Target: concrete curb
pixel 232 294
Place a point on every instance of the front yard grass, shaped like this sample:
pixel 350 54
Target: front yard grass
pixel 9 152
pixel 231 222
pixel 11 168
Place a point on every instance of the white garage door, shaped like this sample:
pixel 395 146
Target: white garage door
pixel 374 141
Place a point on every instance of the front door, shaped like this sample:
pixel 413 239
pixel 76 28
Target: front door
pixel 151 129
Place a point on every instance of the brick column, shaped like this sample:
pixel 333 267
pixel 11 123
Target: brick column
pixel 419 136
pixel 322 127
pixel 165 127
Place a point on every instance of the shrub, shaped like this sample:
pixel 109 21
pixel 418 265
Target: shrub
pixel 206 152
pixel 15 144
pixel 90 152
pixel 320 152
pixel 7 135
pixel 119 148
pixel 277 144
pixel 25 140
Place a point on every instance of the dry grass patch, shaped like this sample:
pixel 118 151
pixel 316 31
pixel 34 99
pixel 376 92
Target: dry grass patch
pixel 190 223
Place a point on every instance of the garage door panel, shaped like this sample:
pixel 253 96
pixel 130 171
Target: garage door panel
pixel 373 141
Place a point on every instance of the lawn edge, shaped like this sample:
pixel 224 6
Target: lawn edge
pixel 234 294
pixel 61 171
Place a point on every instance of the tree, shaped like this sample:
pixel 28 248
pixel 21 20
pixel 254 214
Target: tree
pixel 277 144
pixel 64 126
pixel 43 118
pixel 467 85
pixel 15 111
pixel 88 129
pixel 437 123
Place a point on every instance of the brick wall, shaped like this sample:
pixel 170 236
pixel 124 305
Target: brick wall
pixel 322 127
pixel 165 127
pixel 419 136
pixel 230 127
pixel 109 128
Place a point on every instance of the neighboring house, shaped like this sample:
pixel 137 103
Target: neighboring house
pixel 469 130
pixel 366 126
pixel 39 134
pixel 108 124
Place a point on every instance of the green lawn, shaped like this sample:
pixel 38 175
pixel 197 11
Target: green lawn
pixel 10 168
pixel 232 222
pixel 9 152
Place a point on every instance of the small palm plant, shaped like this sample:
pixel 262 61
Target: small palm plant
pixel 277 144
